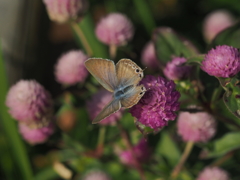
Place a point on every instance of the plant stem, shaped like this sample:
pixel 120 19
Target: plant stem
pixel 184 157
pixel 112 51
pixel 82 38
pixel 101 136
pixel 129 145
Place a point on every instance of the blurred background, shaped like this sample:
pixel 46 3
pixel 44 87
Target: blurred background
pixel 31 45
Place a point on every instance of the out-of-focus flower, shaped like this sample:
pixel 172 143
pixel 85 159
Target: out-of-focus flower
pixel 70 68
pixel 175 70
pixel 213 173
pixel 196 127
pixel 66 10
pixel 28 102
pixel 36 135
pixel 97 103
pixel 215 22
pixel 96 175
pixel 149 57
pixel 141 152
pixel 158 104
pixel 223 61
pixel 114 29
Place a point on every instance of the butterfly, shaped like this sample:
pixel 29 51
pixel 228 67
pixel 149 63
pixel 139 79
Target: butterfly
pixel 121 79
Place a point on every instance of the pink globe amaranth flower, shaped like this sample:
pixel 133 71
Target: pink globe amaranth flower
pixel 158 104
pixel 97 103
pixel 115 29
pixel 149 57
pixel 213 173
pixel 215 22
pixel 196 127
pixel 66 10
pixel 70 68
pixel 96 175
pixel 29 102
pixel 141 151
pixel 36 135
pixel 223 61
pixel 175 70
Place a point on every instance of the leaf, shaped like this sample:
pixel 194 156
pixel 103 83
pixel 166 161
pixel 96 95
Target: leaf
pixel 47 174
pixel 168 149
pixel 227 143
pixel 229 36
pixel 168 44
pixel 231 97
pixel 195 59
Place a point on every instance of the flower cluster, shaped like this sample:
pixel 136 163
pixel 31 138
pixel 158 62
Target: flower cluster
pixel 158 104
pixel 213 173
pixel 31 105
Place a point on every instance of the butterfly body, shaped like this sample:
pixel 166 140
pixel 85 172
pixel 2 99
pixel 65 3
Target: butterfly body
pixel 121 79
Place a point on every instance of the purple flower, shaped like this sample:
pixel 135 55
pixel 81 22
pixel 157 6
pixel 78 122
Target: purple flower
pixel 96 175
pixel 97 103
pixel 215 22
pixel 28 101
pixel 36 135
pixel 224 61
pixel 158 104
pixel 149 57
pixel 115 29
pixel 66 10
pixel 213 173
pixel 141 151
pixel 196 127
pixel 175 70
pixel 70 68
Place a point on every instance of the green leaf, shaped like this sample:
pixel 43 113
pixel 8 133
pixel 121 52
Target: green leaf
pixel 231 97
pixel 229 36
pixel 15 143
pixel 168 44
pixel 168 149
pixel 195 60
pixel 227 143
pixel 47 174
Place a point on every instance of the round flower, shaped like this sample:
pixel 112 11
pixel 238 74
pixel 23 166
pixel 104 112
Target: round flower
pixel 213 173
pixel 96 175
pixel 215 22
pixel 28 101
pixel 158 104
pixel 196 127
pixel 141 152
pixel 114 29
pixel 175 70
pixel 36 135
pixel 66 10
pixel 149 57
pixel 70 68
pixel 224 61
pixel 97 103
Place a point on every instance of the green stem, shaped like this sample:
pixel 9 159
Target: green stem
pixel 184 157
pixel 9 126
pixel 101 136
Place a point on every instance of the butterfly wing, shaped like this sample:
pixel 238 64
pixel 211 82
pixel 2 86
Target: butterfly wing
pixel 128 73
pixel 132 96
pixel 104 71
pixel 109 109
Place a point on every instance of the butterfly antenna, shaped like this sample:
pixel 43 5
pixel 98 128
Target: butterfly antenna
pixel 144 68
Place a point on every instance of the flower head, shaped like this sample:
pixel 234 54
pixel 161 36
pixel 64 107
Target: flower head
pixel 28 101
pixel 196 127
pixel 158 104
pixel 65 10
pixel 36 135
pixel 175 70
pixel 141 151
pixel 215 22
pixel 70 68
pixel 114 29
pixel 149 57
pixel 97 103
pixel 96 175
pixel 224 61
pixel 213 173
